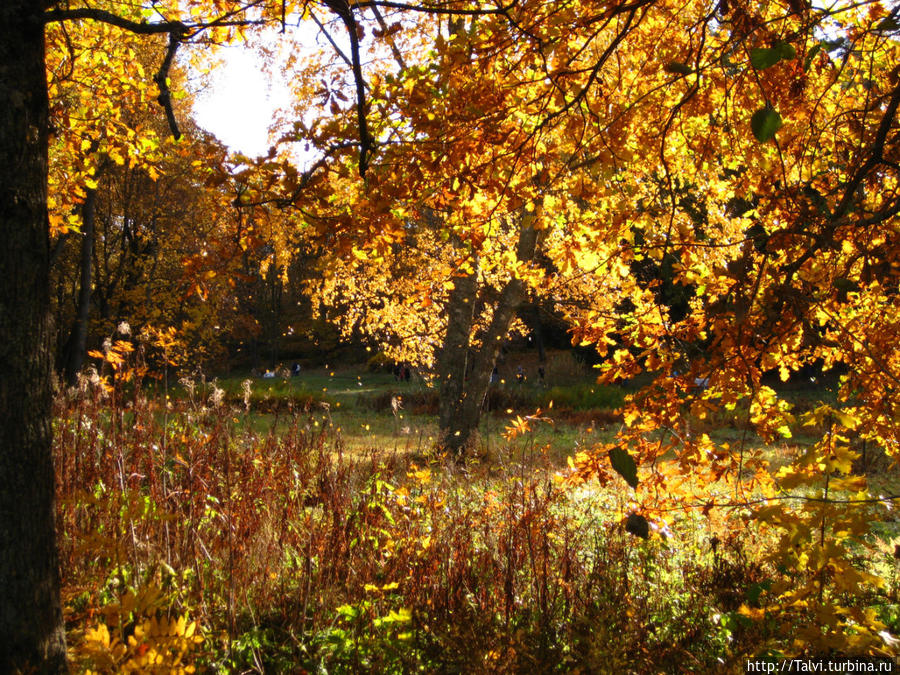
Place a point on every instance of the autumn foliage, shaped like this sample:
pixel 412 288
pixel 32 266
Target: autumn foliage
pixel 706 192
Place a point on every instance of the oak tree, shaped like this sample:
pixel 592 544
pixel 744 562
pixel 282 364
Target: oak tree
pixel 749 150
pixel 30 616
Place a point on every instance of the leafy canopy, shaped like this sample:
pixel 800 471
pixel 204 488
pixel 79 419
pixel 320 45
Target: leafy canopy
pixel 715 185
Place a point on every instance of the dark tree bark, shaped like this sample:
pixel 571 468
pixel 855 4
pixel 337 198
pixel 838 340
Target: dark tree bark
pixel 31 628
pixel 453 361
pixel 76 347
pixel 531 315
pixel 465 378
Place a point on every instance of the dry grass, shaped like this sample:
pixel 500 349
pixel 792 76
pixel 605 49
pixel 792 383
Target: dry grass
pixel 330 538
pixel 295 554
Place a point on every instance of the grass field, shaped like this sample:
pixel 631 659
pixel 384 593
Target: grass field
pixel 374 410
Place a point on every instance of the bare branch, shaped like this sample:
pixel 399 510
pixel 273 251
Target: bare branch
pixel 161 78
pixel 330 39
pixel 342 9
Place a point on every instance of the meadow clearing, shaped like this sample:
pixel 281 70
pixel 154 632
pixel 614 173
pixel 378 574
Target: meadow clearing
pixel 305 524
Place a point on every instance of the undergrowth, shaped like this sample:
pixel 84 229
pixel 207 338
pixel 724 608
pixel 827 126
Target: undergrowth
pixel 190 542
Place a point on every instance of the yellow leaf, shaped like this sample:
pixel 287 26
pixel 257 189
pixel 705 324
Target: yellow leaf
pixel 100 634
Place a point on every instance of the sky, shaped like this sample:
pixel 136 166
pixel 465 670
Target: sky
pixel 238 104
pixel 242 93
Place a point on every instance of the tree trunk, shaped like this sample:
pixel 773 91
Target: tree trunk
pixel 453 363
pixel 461 403
pixel 31 628
pixel 532 317
pixel 77 344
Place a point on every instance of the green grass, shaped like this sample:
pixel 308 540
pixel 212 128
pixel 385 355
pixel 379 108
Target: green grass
pixel 344 386
pixel 358 405
pixel 361 429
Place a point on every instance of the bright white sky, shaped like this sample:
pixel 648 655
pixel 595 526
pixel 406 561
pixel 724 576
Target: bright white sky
pixel 239 103
pixel 243 92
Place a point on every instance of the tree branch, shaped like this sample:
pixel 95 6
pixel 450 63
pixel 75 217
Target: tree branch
pixel 149 28
pixel 139 27
pixel 876 156
pixel 304 179
pixel 330 39
pixel 176 30
pixel 436 10
pixel 161 78
pixel 342 9
pixel 398 57
pixel 597 67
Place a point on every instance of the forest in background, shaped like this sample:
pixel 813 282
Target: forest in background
pixel 700 196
